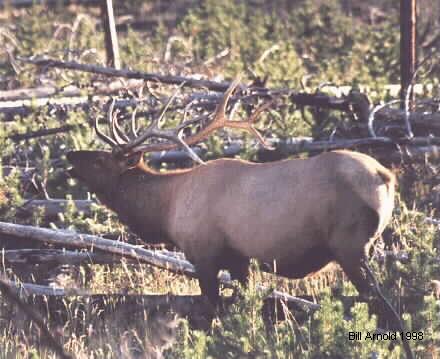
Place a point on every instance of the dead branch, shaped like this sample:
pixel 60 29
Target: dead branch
pixel 31 93
pixel 57 257
pixel 130 74
pixel 40 133
pixel 106 306
pixel 423 119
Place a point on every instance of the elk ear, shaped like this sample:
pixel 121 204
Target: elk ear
pixel 133 160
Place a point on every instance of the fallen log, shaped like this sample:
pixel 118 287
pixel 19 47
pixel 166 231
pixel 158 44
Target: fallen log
pixel 421 119
pixel 307 144
pixel 58 105
pixel 294 146
pixel 301 99
pixel 141 255
pixel 24 107
pixel 28 3
pixel 57 256
pixel 72 239
pixel 103 88
pixel 27 289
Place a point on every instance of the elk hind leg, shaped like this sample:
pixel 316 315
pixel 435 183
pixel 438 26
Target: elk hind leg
pixel 361 275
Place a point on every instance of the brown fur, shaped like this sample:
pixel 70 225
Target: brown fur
pixel 300 213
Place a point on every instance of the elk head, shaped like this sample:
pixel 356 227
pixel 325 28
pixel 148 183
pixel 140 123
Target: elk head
pixel 100 169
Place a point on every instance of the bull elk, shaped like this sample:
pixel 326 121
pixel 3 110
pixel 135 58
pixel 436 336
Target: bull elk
pixel 299 213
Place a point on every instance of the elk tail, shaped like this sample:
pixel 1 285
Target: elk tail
pixel 387 176
pixel 386 203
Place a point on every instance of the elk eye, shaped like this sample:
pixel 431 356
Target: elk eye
pixel 131 161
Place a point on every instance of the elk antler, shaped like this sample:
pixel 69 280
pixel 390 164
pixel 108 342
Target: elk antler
pixel 122 144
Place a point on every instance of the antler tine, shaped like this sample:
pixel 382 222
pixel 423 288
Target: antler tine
pixel 103 136
pixel 133 123
pixel 152 130
pixel 113 126
pixel 220 113
pixel 167 105
pixel 254 116
pixel 248 124
pixel 117 132
pixel 110 141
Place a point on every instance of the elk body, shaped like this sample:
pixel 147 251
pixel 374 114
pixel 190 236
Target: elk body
pixel 299 213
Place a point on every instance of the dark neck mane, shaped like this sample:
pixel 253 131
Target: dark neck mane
pixel 139 199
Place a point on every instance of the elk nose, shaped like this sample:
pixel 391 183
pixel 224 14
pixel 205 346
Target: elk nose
pixel 72 173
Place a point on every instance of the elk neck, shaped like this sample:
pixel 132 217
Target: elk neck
pixel 141 197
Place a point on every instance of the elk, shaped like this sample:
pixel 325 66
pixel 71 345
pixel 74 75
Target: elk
pixel 299 213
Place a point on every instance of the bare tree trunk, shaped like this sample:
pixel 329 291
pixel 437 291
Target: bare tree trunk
pixel 408 54
pixel 110 36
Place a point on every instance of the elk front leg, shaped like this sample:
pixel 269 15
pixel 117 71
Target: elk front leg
pixel 207 272
pixel 238 266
